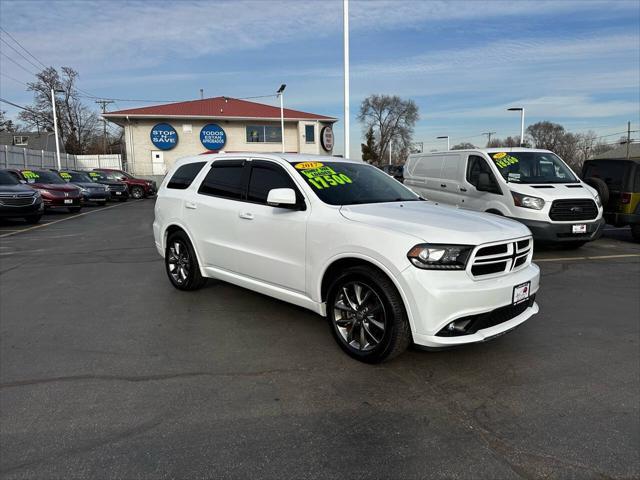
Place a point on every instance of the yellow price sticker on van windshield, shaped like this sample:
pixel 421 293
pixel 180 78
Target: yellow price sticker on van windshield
pixel 29 174
pixel 500 155
pixel 504 161
pixel 308 165
pixel 65 175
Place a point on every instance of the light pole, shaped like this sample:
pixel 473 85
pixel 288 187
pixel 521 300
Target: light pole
pixel 447 137
pixel 280 93
pixel 55 124
pixel 521 110
pixel 345 22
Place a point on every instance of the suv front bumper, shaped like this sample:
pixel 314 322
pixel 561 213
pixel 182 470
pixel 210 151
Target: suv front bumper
pixel 436 298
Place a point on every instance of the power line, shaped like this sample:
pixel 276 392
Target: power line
pixel 15 50
pixel 23 48
pixel 16 63
pixel 24 108
pixel 15 80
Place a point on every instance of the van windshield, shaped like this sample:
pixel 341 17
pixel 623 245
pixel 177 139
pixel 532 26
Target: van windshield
pixel 346 183
pixel 532 167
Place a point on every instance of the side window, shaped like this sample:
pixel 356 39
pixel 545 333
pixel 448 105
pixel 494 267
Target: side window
pixel 225 179
pixel 15 175
pixel 310 133
pixel 184 175
pixel 475 166
pixel 266 176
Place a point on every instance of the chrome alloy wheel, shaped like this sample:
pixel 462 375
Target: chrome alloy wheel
pixel 179 262
pixel 359 315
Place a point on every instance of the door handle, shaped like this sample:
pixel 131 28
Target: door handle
pixel 443 185
pixel 246 215
pixel 190 205
pixel 462 189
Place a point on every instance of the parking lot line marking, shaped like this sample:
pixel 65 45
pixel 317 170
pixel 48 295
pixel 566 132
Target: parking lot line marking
pixel 596 257
pixel 63 220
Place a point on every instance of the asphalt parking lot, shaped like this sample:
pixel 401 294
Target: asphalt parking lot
pixel 106 371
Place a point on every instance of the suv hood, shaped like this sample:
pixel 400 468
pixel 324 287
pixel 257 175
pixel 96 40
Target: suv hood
pixel 436 223
pixel 15 189
pixel 57 187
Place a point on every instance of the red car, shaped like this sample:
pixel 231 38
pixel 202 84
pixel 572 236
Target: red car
pixel 138 187
pixel 56 193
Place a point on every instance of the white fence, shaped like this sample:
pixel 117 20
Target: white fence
pixel 17 157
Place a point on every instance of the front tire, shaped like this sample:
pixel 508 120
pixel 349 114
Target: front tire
pixel 137 192
pixel 181 263
pixel 367 316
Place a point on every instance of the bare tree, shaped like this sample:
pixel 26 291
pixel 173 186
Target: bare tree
pixel 507 142
pixel 547 135
pixel 76 122
pixel 463 146
pixel 392 121
pixel 6 124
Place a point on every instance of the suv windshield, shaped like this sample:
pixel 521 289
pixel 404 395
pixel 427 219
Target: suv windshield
pixel 41 176
pixel 7 179
pixel 532 167
pixel 75 177
pixel 343 183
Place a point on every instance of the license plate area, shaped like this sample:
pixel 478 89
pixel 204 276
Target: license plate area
pixel 521 293
pixel 68 200
pixel 579 228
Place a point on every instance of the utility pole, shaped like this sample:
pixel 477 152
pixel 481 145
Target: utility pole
pixel 103 104
pixel 345 25
pixel 488 134
pixel 628 138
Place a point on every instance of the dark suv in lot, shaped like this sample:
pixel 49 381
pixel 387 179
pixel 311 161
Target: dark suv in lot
pixel 117 190
pixel 56 193
pixel 18 200
pixel 138 187
pixel 91 191
pixel 618 184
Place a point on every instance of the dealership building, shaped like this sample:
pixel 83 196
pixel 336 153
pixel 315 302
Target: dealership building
pixel 157 136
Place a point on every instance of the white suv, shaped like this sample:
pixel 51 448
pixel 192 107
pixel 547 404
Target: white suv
pixel 348 242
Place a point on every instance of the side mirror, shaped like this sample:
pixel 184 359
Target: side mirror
pixel 24 182
pixel 484 183
pixel 281 197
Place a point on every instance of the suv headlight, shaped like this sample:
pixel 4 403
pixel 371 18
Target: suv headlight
pixel 440 257
pixel 527 201
pixel 83 190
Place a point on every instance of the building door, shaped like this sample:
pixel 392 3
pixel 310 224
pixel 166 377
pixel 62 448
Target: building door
pixel 157 162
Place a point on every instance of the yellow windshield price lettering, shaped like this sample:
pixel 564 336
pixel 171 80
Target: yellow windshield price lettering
pixel 326 181
pixel 29 174
pixel 65 175
pixel 318 172
pixel 308 165
pixel 504 162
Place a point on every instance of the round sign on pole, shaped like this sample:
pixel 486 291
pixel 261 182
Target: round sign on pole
pixel 326 138
pixel 164 136
pixel 213 137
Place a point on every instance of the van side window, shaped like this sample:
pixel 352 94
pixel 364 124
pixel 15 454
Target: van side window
pixel 225 179
pixel 184 175
pixel 266 176
pixel 475 166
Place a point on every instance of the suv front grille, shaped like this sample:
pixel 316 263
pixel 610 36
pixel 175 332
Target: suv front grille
pixel 573 209
pixel 17 200
pixel 501 258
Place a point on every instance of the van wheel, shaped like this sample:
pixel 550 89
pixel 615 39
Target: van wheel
pixel 367 316
pixel 635 232
pixel 181 263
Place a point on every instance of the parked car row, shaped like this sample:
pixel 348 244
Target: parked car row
pixel 27 193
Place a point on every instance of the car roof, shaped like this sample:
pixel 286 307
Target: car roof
pixel 287 157
pixel 487 150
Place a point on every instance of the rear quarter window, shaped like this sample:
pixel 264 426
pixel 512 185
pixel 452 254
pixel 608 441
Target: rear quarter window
pixel 224 179
pixel 184 176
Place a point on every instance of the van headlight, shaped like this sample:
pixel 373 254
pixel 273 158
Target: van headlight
pixel 598 200
pixel 527 201
pixel 440 257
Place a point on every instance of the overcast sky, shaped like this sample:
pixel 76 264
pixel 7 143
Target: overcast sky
pixel 463 62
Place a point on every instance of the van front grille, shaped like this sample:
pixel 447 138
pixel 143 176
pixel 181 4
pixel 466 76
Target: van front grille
pixel 573 209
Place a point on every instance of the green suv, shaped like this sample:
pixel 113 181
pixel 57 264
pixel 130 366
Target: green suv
pixel 617 180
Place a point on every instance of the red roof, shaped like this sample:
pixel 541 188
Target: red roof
pixel 217 107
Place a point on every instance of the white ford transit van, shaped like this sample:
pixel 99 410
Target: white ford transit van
pixel 534 187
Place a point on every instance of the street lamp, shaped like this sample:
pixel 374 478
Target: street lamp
pixel 280 93
pixel 55 124
pixel 345 46
pixel 447 137
pixel 521 110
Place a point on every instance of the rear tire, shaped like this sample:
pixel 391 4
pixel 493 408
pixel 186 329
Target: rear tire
pixel 367 316
pixel 33 219
pixel 181 263
pixel 75 209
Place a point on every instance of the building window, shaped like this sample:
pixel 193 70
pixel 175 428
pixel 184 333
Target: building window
pixel 20 140
pixel 263 134
pixel 310 133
